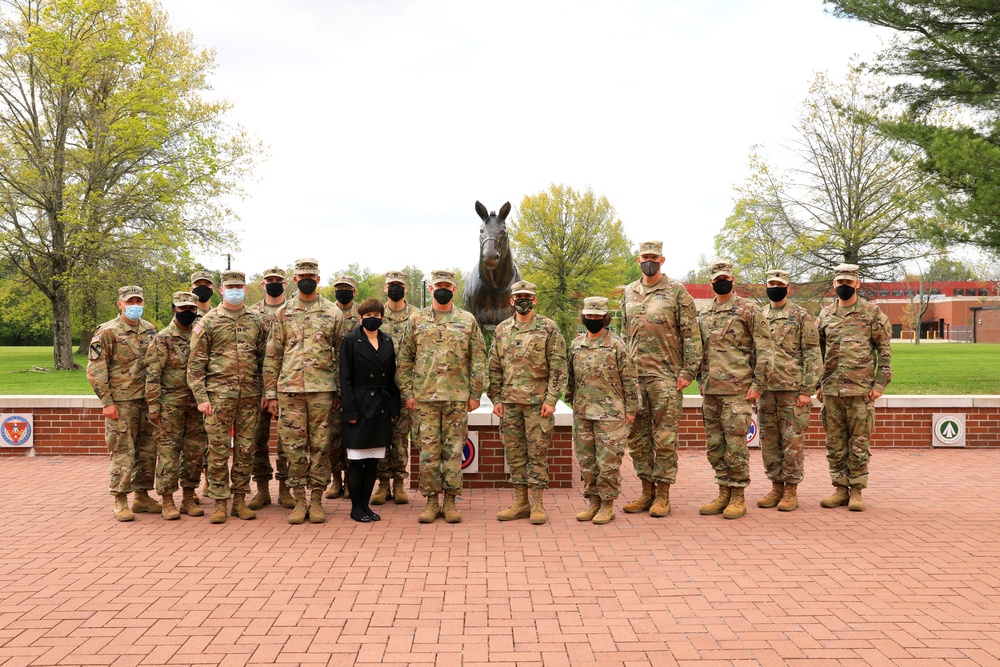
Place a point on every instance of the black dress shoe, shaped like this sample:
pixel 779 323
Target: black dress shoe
pixel 361 517
pixel 374 516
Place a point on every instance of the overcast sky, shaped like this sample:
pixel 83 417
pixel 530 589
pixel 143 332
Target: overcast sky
pixel 385 121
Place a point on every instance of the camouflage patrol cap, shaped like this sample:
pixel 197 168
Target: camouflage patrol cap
pixel 846 272
pixel 306 265
pixel 595 305
pixel 345 280
pixel 129 291
pixel 233 278
pixel 203 275
pixel 720 267
pixel 276 271
pixel 523 287
pixel 443 276
pixel 395 277
pixel 185 299
pixel 651 248
pixel 777 276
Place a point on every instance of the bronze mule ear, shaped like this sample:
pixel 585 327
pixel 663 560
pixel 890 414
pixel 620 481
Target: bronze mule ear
pixel 481 211
pixel 504 210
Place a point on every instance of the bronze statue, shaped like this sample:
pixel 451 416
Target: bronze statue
pixel 487 289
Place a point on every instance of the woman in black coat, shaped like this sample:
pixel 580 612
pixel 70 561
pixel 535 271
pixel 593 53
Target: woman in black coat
pixel 371 402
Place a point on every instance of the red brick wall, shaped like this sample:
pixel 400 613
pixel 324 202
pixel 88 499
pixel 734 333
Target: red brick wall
pixel 987 326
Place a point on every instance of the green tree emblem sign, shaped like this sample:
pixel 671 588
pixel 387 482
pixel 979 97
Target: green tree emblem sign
pixel 948 430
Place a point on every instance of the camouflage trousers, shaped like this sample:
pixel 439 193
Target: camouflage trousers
pixel 599 445
pixel 727 422
pixel 440 428
pixel 652 439
pixel 849 422
pixel 396 462
pixel 783 425
pixel 337 456
pixel 304 430
pixel 262 470
pixel 132 447
pixel 526 437
pixel 232 428
pixel 180 448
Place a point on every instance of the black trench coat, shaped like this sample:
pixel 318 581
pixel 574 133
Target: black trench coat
pixel 368 390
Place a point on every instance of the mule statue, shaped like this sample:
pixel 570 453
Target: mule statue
pixel 487 289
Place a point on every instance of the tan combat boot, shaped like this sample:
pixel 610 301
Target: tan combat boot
pixel 661 503
pixel 263 496
pixel 169 511
pixel 790 498
pixel 122 512
pixel 856 504
pixel 399 492
pixel 431 512
pixel 204 490
pixel 718 505
pixel 336 487
pixel 737 506
pixel 643 502
pixel 240 508
pixel 606 514
pixel 521 509
pixel 219 513
pixel 188 505
pixel 382 494
pixel 298 514
pixel 538 516
pixel 774 497
pixel 592 509
pixel 284 495
pixel 451 514
pixel 316 513
pixel 141 502
pixel 347 490
pixel 839 497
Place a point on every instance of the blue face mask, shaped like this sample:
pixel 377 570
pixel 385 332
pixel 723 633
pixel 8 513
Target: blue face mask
pixel 133 312
pixel 234 297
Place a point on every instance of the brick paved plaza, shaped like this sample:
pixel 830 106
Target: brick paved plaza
pixel 912 581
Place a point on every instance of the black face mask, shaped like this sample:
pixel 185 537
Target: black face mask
pixel 371 323
pixel 443 295
pixel 776 294
pixel 593 326
pixel 307 285
pixel 274 289
pixel 845 292
pixel 650 268
pixel 344 296
pixel 722 286
pixel 204 293
pixel 395 292
pixel 186 317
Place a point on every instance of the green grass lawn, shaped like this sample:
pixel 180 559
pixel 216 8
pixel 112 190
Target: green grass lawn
pixel 922 369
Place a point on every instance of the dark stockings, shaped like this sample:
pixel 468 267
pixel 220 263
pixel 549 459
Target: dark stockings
pixel 361 476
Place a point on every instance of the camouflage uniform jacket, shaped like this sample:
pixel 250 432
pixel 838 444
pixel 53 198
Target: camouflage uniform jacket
pixel 227 352
pixel 303 350
pixel 116 366
pixel 660 323
pixel 166 369
pixel 394 323
pixel 267 312
pixel 442 357
pixel 736 347
pixel 602 382
pixel 350 315
pixel 854 342
pixel 527 362
pixel 795 339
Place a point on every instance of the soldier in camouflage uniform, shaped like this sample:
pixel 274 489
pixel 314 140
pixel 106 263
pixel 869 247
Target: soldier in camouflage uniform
pixel 441 373
pixel 527 377
pixel 116 370
pixel 736 362
pixel 660 322
pixel 180 431
pixel 783 408
pixel 224 373
pixel 203 285
pixel 273 282
pixel 604 392
pixel 854 336
pixel 302 385
pixel 344 290
pixel 397 458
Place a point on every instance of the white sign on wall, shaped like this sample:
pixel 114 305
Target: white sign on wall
pixel 753 435
pixel 948 430
pixel 17 430
pixel 470 453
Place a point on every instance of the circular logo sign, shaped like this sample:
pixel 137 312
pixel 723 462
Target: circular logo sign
pixel 948 430
pixel 752 431
pixel 468 454
pixel 15 430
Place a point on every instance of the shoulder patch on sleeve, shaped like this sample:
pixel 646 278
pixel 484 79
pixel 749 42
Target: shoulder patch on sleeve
pixel 95 349
pixel 197 329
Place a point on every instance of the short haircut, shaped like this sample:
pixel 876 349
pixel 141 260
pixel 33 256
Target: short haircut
pixel 369 306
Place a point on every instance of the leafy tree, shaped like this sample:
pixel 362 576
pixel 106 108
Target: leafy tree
pixel 112 153
pixel 944 269
pixel 945 54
